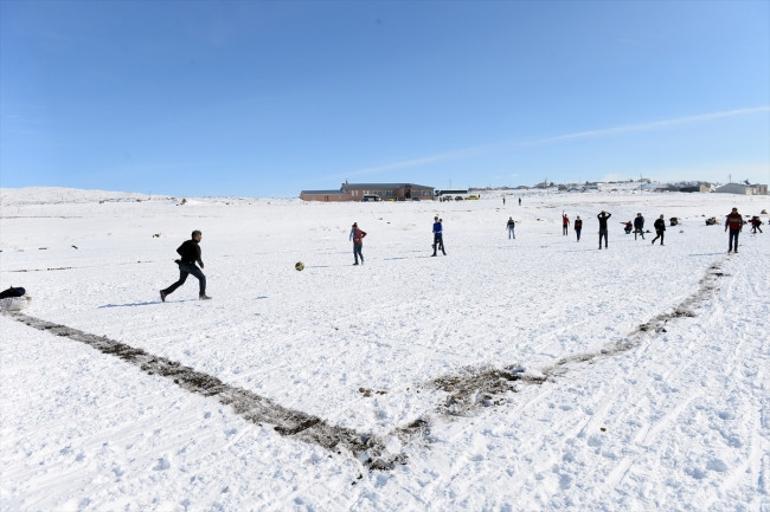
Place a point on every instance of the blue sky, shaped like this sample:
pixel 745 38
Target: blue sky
pixel 267 98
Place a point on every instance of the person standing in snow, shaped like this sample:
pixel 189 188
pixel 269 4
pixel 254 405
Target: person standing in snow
pixel 190 253
pixel 519 201
pixel 578 226
pixel 564 224
pixel 639 226
pixel 511 225
pixel 503 200
pixel 603 217
pixel 438 236
pixel 733 222
pixel 660 229
pixel 357 235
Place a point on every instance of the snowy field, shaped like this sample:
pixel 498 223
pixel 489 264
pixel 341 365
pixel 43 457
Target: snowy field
pixel 529 374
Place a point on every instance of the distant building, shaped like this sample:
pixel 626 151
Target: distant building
pixel 325 195
pixel 370 191
pixel 743 189
pixel 698 187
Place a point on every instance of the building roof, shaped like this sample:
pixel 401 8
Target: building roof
pixel 381 186
pixel 326 192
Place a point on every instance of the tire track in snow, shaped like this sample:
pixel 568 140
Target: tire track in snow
pixel 472 388
pixel 368 449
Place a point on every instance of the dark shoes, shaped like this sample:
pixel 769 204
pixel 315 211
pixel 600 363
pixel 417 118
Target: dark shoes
pixel 204 297
pixel 163 296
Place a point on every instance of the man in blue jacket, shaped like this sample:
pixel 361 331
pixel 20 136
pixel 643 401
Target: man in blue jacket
pixel 438 236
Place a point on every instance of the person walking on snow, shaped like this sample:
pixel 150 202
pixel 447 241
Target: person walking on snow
pixel 511 226
pixel 603 217
pixel 578 226
pixel 190 254
pixel 438 236
pixel 660 229
pixel 564 224
pixel 639 226
pixel 357 235
pixel 733 222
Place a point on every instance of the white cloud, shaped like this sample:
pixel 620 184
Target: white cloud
pixel 586 134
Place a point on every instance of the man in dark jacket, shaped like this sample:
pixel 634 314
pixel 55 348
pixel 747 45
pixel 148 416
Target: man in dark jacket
pixel 578 225
pixel 660 229
pixel 190 253
pixel 511 225
pixel 357 235
pixel 733 222
pixel 603 217
pixel 438 236
pixel 639 226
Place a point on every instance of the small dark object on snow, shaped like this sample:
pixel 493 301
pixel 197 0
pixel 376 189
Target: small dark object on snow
pixel 674 221
pixel 13 292
pixel 711 221
pixel 156 235
pixel 603 429
pixel 74 246
pixel 42 248
pixel 763 212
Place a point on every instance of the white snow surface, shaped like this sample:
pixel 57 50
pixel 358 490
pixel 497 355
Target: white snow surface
pixel 680 422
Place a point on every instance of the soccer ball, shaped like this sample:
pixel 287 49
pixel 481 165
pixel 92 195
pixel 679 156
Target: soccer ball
pixel 299 266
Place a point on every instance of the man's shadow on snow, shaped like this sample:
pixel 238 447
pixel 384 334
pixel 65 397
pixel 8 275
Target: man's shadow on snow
pixel 137 304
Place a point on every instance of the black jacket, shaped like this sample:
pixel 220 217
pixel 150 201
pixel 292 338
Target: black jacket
pixel 190 252
pixel 638 222
pixel 603 221
pixel 660 225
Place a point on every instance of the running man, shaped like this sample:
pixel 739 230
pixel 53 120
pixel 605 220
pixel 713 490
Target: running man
pixel 190 254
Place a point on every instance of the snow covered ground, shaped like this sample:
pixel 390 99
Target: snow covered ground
pixel 529 374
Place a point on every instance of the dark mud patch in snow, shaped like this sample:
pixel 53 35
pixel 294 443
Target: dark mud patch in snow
pixel 368 449
pixel 479 387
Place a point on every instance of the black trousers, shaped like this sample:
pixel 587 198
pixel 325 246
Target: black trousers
pixel 565 230
pixel 658 234
pixel 186 269
pixel 438 243
pixel 577 232
pixel 733 236
pixel 639 231
pixel 602 234
pixel 357 252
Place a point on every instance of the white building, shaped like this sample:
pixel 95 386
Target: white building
pixel 742 189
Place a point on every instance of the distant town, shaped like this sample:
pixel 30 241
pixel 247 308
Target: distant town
pixel 415 192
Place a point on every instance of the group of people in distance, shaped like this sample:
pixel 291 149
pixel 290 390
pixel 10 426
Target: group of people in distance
pixel 190 251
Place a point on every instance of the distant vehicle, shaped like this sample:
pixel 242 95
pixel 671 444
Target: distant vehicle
pixel 371 197
pixel 459 198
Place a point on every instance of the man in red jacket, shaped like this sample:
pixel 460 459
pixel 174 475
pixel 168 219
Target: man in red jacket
pixel 734 222
pixel 357 235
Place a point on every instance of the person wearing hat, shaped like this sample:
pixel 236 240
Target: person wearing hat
pixel 733 222
pixel 357 235
pixel 660 229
